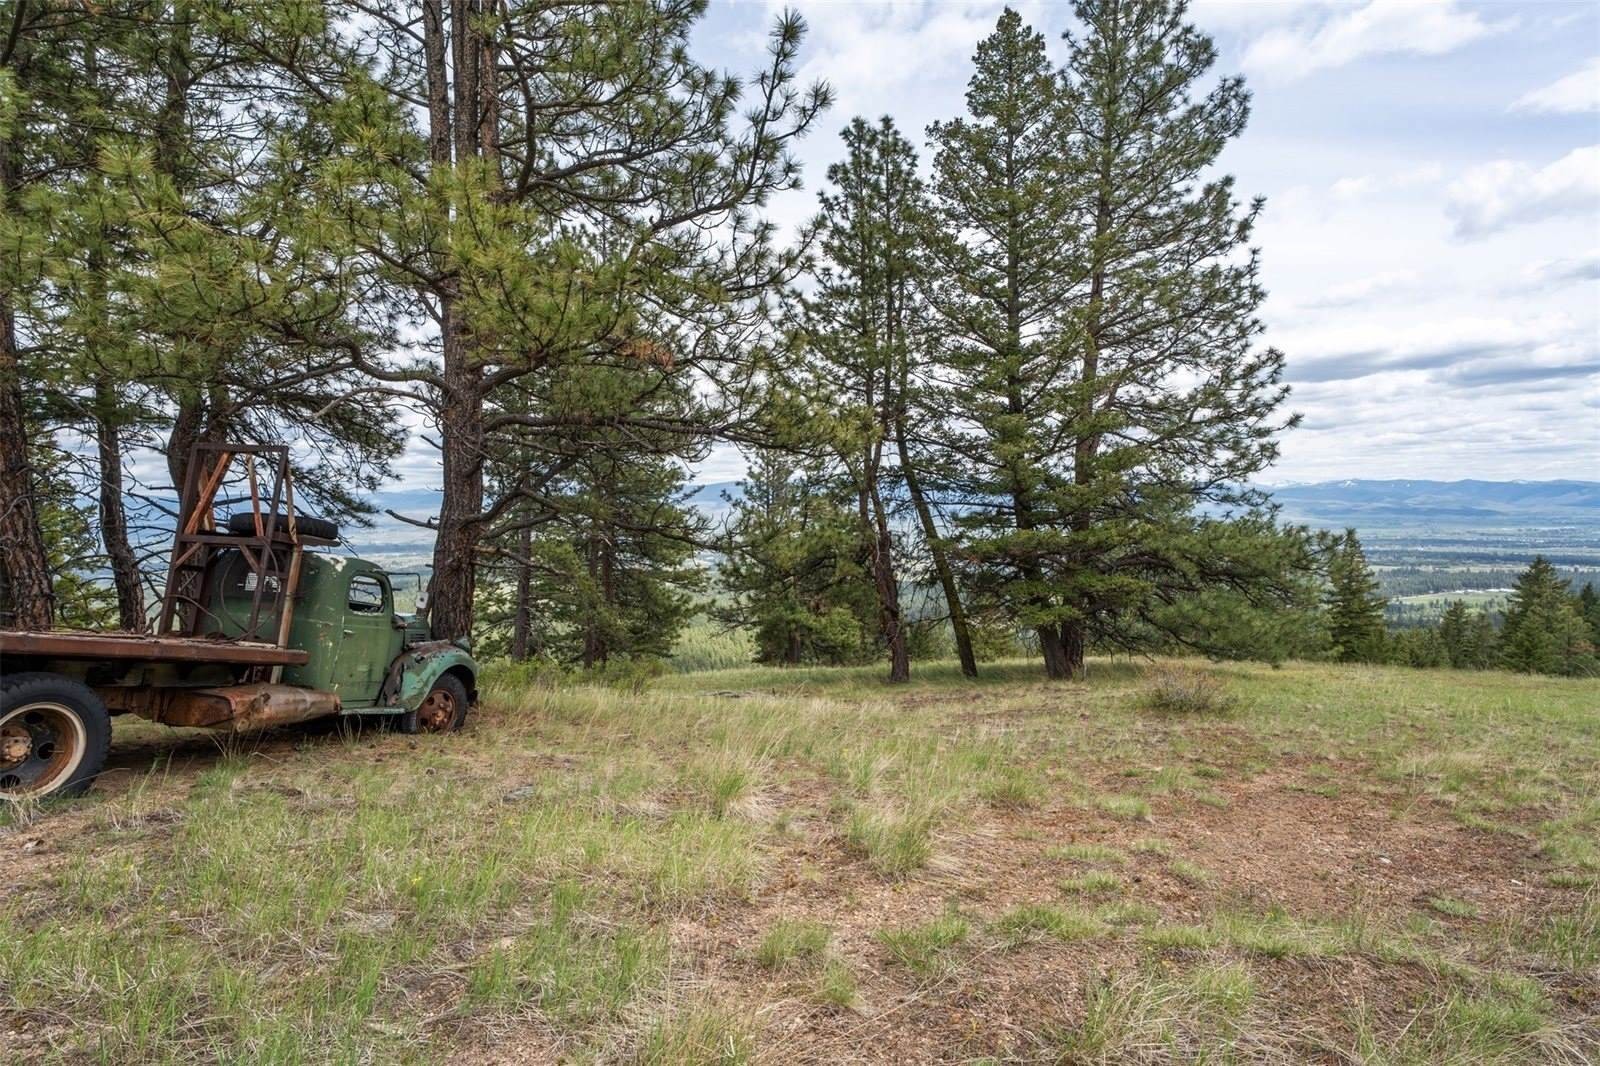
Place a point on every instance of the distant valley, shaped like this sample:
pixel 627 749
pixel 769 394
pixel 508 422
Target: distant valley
pixel 1426 538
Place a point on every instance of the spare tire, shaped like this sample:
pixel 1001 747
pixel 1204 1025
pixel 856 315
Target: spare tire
pixel 244 523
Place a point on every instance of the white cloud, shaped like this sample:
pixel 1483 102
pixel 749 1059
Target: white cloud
pixel 1385 286
pixel 1548 273
pixel 874 53
pixel 1337 36
pixel 1576 93
pixel 1360 186
pixel 1505 193
pixel 1351 188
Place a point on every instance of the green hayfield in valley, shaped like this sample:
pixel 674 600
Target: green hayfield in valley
pixel 1331 864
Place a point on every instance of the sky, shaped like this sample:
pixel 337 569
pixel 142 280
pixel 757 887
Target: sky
pixel 1431 238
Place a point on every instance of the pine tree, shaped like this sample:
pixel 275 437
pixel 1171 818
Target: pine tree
pixel 1103 308
pixel 1174 403
pixel 1589 608
pixel 1001 282
pixel 1468 637
pixel 1354 607
pixel 1543 632
pixel 858 325
pixel 793 566
pixel 576 192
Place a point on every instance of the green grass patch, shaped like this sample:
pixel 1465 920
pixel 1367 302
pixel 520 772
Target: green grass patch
pixel 789 942
pixel 1091 883
pixel 930 949
pixel 1087 853
pixel 1130 808
pixel 1033 921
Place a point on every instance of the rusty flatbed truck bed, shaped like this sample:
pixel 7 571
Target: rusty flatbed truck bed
pixel 100 647
pixel 255 630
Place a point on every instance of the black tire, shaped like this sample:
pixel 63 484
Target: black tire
pixel 427 718
pixel 54 735
pixel 244 523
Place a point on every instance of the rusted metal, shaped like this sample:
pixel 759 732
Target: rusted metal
pixel 438 711
pixel 236 708
pixel 197 545
pixel 413 672
pixel 122 646
pixel 15 744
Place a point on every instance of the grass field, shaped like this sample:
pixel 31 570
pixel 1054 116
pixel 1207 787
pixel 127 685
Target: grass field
pixel 1328 864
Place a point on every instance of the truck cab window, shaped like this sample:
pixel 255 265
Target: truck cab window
pixel 367 594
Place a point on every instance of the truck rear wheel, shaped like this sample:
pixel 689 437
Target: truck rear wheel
pixel 442 710
pixel 54 734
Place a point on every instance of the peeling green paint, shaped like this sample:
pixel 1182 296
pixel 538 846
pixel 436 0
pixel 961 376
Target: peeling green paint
pixel 375 660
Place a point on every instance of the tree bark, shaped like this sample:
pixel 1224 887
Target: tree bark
pixel 125 574
pixel 22 551
pixel 458 121
pixel 1057 658
pixel 522 619
pixel 23 558
pixel 890 621
pixel 455 570
pixel 941 559
pixel 1087 444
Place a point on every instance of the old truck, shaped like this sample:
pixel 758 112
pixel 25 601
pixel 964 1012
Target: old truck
pixel 254 631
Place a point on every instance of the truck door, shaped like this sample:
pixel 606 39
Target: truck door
pixel 369 641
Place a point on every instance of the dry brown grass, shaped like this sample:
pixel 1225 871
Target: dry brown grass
pixel 824 870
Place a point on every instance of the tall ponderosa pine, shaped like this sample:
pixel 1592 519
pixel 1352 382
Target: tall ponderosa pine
pixel 1102 310
pixel 858 323
pixel 1173 402
pixel 1355 609
pixel 1001 273
pixel 577 192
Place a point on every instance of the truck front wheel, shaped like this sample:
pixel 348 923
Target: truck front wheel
pixel 442 710
pixel 54 734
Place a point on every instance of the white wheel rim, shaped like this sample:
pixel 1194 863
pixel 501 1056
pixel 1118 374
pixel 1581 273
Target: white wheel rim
pixel 77 739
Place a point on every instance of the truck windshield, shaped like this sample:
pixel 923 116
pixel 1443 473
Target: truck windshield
pixel 407 589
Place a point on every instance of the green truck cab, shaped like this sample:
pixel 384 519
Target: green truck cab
pixel 255 631
pixel 360 648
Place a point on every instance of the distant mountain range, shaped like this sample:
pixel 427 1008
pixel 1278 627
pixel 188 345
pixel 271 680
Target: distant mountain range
pixel 1454 503
pixel 1365 504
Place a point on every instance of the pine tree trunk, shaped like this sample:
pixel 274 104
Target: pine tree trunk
pixel 125 574
pixel 22 551
pixel 592 652
pixel 461 441
pixel 1057 661
pixel 23 558
pixel 941 560
pixel 455 551
pixel 890 621
pixel 1073 638
pixel 1073 634
pixel 522 620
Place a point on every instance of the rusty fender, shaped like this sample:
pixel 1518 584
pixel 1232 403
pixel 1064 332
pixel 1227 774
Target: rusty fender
pixel 236 708
pixel 414 671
